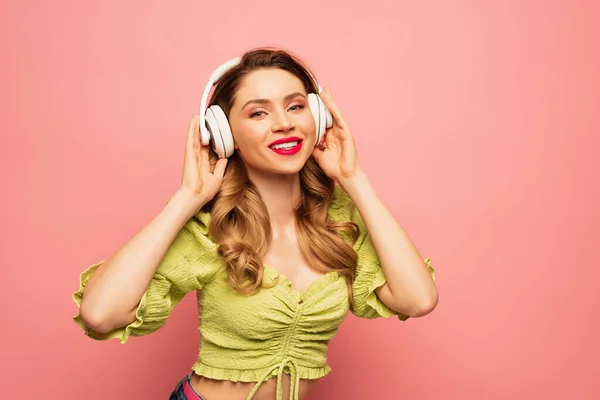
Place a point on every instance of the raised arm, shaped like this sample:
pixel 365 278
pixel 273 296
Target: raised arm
pixel 113 292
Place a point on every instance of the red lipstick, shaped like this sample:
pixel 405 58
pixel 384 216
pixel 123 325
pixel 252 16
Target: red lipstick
pixel 287 146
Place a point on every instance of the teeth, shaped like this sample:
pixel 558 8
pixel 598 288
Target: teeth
pixel 287 145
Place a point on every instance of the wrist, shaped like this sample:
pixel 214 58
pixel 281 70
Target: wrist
pixel 188 201
pixel 355 182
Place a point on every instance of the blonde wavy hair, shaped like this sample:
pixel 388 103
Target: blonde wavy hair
pixel 239 218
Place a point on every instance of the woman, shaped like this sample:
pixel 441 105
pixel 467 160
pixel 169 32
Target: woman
pixel 280 240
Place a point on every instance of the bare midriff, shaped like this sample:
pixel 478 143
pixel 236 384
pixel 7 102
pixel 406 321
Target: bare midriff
pixel 212 389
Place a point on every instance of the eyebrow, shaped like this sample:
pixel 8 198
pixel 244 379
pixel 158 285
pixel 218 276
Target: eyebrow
pixel 266 101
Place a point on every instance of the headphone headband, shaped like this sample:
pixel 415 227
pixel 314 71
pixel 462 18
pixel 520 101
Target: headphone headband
pixel 214 77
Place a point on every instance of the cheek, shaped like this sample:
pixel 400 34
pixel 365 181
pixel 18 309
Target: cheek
pixel 245 134
pixel 307 125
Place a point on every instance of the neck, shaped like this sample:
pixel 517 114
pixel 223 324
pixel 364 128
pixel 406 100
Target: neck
pixel 281 194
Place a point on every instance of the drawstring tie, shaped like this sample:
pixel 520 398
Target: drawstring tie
pixel 294 379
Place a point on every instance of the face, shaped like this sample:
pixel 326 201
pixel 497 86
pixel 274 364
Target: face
pixel 271 122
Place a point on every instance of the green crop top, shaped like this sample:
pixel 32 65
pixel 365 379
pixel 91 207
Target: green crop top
pixel 253 338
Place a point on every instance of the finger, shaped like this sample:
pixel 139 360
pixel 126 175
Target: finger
pixel 220 167
pixel 192 129
pixel 190 148
pixel 196 121
pixel 316 153
pixel 204 161
pixel 332 138
pixel 190 134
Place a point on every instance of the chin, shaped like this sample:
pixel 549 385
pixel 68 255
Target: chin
pixel 287 168
pixel 288 171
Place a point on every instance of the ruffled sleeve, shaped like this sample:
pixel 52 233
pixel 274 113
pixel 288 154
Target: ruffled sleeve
pixel 369 273
pixel 189 263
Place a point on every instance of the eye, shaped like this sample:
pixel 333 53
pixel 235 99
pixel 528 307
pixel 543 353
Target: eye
pixel 256 114
pixel 297 107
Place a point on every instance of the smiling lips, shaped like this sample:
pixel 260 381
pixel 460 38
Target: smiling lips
pixel 287 146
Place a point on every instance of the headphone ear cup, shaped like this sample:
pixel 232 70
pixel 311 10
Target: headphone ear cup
pixel 314 102
pixel 326 115
pixel 220 131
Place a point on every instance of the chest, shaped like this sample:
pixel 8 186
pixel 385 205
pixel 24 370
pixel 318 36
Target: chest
pixel 277 311
pixel 285 255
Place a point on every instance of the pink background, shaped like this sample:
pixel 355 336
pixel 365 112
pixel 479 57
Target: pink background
pixel 476 121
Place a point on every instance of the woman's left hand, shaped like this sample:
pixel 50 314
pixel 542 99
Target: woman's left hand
pixel 336 154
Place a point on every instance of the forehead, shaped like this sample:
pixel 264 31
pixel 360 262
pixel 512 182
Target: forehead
pixel 271 83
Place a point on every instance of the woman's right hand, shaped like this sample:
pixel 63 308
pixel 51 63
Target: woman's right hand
pixel 198 178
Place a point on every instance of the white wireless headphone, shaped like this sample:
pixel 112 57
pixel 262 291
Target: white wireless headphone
pixel 214 124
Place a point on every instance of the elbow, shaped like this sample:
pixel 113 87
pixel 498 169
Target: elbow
pixel 425 305
pixel 422 306
pixel 94 319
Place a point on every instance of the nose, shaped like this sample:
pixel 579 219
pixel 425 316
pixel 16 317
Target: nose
pixel 281 123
